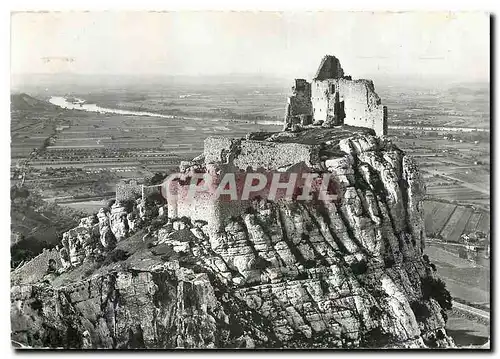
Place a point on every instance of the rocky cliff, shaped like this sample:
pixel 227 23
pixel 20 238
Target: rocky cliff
pixel 279 274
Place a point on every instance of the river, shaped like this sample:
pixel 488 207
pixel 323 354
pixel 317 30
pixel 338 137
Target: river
pixel 64 103
pixel 439 128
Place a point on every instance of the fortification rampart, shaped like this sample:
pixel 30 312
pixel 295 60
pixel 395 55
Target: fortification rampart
pixel 203 206
pixel 256 155
pixel 217 149
pixel 349 102
pixel 131 190
pixel 299 106
pixel 273 155
pixel 126 191
pixel 238 157
pixel 149 190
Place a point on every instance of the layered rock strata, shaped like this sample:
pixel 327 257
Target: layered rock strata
pixel 273 274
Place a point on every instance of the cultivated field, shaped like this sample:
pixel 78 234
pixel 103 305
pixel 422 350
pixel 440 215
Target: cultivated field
pixel 450 221
pixel 84 154
pixel 465 279
pixel 434 103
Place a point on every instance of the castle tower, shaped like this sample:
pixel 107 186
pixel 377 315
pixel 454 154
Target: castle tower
pixel 333 99
pixel 329 69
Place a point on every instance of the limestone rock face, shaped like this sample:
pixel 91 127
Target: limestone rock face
pixel 80 242
pixel 277 274
pixel 118 221
pixel 100 233
pixel 108 240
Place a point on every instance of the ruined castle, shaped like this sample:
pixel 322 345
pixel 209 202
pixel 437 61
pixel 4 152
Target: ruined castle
pixel 333 99
pixel 206 272
pixel 334 104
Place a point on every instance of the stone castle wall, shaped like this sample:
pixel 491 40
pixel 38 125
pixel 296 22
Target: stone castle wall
pixel 258 154
pixel 273 155
pixel 299 106
pixel 217 148
pixel 334 99
pixel 236 156
pixel 204 207
pixel 133 190
pixel 361 105
pixel 128 191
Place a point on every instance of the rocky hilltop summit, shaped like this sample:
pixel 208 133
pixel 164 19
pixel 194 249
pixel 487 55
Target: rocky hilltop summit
pixel 257 273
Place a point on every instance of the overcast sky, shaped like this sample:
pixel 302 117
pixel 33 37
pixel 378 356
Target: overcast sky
pixel 284 44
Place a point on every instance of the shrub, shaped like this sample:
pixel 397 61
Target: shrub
pixel 156 224
pixel 359 267
pixel 431 342
pixel 110 203
pixel 155 198
pixel 116 255
pixel 301 275
pixel 156 179
pixel 376 338
pixel 129 205
pixel 375 312
pixel 389 262
pixel 324 285
pixel 420 310
pixel 310 263
pixel 435 288
pixel 261 263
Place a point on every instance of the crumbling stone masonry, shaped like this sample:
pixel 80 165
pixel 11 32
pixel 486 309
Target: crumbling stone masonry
pixel 237 156
pixel 128 190
pixel 256 154
pixel 336 99
pixel 299 107
pixel 131 190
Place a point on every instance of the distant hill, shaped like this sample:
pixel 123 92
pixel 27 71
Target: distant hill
pixel 63 84
pixel 23 101
pixel 36 224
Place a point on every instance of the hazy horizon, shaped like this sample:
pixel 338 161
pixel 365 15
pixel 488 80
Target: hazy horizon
pixel 285 45
pixel 37 83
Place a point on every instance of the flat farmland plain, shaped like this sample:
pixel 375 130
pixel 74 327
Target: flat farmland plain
pixel 450 221
pixel 455 166
pixel 458 193
pixel 436 103
pixel 474 334
pixel 437 215
pixel 94 150
pixel 465 279
pixel 136 136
